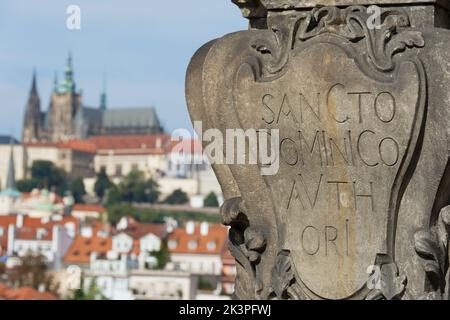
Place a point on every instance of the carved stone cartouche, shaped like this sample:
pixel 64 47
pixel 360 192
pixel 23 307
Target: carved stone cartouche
pixel 359 208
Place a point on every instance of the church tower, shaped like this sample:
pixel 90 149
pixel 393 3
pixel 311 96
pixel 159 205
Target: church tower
pixel 32 121
pixel 64 105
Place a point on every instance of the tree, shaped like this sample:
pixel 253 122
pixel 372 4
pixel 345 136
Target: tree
pixel 113 195
pixel 92 292
pixel 134 188
pixel 78 190
pixel 152 215
pixel 211 200
pixel 27 185
pixel 32 272
pixel 44 174
pixel 117 211
pixel 151 191
pixel 102 184
pixel 204 284
pixel 178 196
pixel 48 176
pixel 162 256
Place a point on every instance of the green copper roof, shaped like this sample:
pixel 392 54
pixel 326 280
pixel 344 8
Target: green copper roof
pixel 68 84
pixel 10 193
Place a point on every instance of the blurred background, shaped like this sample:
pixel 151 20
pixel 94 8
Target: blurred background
pixel 97 201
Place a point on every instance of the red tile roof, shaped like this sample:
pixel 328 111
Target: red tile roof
pixel 5 221
pixel 76 145
pixel 137 230
pixel 217 233
pixel 24 293
pixel 89 207
pixel 82 247
pixel 192 146
pixel 131 144
pixel 29 229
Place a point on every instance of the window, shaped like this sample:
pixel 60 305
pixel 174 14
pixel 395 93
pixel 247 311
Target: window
pixel 118 170
pixel 134 167
pixel 192 245
pixel 211 245
pixel 172 244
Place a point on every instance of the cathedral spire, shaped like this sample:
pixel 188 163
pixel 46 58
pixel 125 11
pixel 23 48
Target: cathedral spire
pixel 55 83
pixel 33 90
pixel 11 179
pixel 68 84
pixel 103 94
pixel 31 124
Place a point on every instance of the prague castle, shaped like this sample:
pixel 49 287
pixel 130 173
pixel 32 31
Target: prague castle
pixel 68 118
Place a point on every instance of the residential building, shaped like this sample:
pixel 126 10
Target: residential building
pixel 85 212
pixel 130 238
pixel 92 238
pixel 121 154
pixel 163 285
pixel 51 237
pixel 75 157
pixel 188 169
pixel 228 273
pixel 198 249
pixel 40 203
pixel 119 279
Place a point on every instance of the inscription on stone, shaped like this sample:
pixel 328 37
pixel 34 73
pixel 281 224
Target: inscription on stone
pixel 359 207
pixel 343 136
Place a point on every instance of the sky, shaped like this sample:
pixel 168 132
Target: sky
pixel 142 46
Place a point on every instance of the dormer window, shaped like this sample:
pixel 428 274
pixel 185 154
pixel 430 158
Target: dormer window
pixel 172 244
pixel 41 233
pixel 192 245
pixel 211 245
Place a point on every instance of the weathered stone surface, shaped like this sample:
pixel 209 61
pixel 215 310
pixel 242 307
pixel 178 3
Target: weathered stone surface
pixel 363 187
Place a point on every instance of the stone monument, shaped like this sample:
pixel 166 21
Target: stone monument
pixel 359 93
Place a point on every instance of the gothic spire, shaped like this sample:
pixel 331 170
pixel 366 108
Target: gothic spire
pixel 68 84
pixel 11 179
pixel 33 90
pixel 103 94
pixel 31 124
pixel 55 83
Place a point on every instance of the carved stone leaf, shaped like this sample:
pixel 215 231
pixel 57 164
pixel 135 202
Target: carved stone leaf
pixel 375 295
pixel 427 248
pixel 230 210
pixel 254 239
pixel 407 39
pixel 282 274
pixel 392 284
